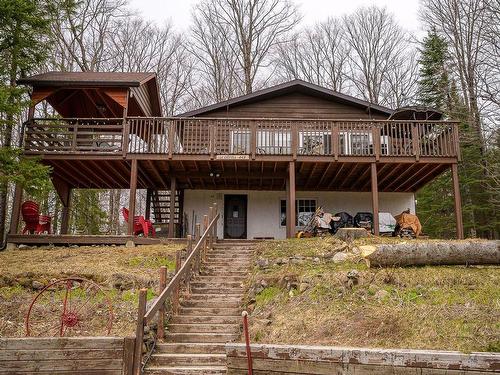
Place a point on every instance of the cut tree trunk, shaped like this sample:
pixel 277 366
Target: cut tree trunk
pixel 432 253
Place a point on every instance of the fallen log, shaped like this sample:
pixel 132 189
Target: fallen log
pixel 420 253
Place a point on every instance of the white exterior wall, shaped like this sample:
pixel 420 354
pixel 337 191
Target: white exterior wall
pixel 263 211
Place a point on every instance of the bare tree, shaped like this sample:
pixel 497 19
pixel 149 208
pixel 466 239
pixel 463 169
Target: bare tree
pixel 251 29
pixel 83 31
pixel 317 55
pixel 462 22
pixel 216 62
pixel 378 45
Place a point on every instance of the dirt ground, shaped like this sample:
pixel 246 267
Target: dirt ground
pixel 300 293
pixel 118 270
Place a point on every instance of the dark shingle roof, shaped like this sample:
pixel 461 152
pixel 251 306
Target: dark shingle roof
pixel 116 79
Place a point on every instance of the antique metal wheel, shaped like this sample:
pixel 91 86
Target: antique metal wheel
pixel 70 307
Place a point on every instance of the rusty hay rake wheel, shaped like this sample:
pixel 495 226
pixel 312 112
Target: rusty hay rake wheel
pixel 72 306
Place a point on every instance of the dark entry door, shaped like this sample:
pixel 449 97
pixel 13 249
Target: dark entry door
pixel 235 216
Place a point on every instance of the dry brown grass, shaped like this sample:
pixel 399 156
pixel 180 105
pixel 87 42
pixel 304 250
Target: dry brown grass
pixel 119 270
pixel 450 308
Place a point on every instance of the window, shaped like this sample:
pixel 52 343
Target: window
pixel 277 142
pixel 304 209
pixel 240 142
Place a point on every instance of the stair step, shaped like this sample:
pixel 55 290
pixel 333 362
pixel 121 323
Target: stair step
pixel 219 311
pixel 209 303
pixel 218 278
pixel 186 370
pixel 205 272
pixel 213 297
pixel 187 359
pixel 232 291
pixel 203 328
pixel 186 319
pixel 216 284
pixel 191 348
pixel 202 337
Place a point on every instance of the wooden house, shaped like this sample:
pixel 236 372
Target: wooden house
pixel 268 159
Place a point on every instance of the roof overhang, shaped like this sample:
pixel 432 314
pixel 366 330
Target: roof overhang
pixel 97 94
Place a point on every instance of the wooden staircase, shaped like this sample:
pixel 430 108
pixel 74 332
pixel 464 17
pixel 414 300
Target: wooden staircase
pixel 208 317
pixel 160 206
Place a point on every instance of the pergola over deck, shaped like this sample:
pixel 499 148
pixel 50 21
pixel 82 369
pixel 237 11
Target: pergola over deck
pixel 217 150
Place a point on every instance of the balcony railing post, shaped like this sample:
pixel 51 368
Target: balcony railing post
pixel 211 140
pixel 456 141
pixel 75 135
pixel 295 139
pixel 253 139
pixel 415 141
pixel 126 131
pixel 376 140
pixel 335 140
pixel 171 137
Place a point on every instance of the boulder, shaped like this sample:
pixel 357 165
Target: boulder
pixel 350 234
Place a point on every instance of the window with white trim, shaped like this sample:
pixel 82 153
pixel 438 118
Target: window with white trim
pixel 304 209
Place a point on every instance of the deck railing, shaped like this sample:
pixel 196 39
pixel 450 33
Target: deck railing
pixel 246 137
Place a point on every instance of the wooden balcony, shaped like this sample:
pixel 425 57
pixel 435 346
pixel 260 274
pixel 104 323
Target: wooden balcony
pixel 244 139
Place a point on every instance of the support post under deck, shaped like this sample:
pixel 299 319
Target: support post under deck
pixel 16 209
pixel 374 198
pixel 131 203
pixel 290 201
pixel 458 201
pixel 171 221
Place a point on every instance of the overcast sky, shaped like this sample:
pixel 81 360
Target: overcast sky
pixel 178 11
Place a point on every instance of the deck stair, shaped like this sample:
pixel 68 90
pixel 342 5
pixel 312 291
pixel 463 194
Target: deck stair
pixel 160 206
pixel 208 317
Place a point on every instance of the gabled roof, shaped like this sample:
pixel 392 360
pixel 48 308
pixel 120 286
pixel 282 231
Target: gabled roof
pixel 297 85
pixel 115 79
pixel 86 94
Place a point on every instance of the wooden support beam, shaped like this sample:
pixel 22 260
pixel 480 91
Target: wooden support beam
pixel 132 196
pixel 63 189
pixel 290 201
pixel 16 209
pixel 181 212
pixel 458 201
pixel 171 223
pixel 147 214
pixel 374 199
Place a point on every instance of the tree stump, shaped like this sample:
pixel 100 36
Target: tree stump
pixel 350 234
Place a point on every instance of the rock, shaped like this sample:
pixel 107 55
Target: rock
pixel 263 263
pixel 10 246
pixel 130 243
pixel 264 283
pixel 316 260
pixel 350 234
pixel 353 274
pixel 121 281
pixel 303 287
pixel 340 257
pixel 381 294
pixel 37 285
pixel 22 246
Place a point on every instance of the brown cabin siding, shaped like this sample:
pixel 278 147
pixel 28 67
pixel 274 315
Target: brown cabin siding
pixel 295 105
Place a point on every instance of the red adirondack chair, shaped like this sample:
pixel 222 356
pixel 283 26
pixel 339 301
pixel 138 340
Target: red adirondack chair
pixel 35 223
pixel 141 225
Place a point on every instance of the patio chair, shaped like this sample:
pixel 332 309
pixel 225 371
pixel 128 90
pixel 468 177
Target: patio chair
pixel 34 222
pixel 141 225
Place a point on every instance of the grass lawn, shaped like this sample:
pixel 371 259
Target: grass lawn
pixel 120 271
pixel 299 295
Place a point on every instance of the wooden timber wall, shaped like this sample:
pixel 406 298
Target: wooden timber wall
pixel 284 359
pixel 295 105
pixel 65 356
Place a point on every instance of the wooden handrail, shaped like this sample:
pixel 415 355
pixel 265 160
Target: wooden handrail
pixel 167 292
